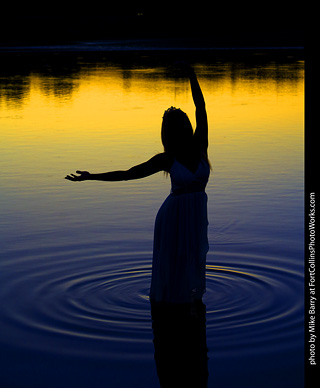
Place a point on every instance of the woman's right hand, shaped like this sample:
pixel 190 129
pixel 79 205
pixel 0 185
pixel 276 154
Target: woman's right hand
pixel 84 175
pixel 185 67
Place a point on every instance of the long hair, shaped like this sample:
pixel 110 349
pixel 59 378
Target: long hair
pixel 176 132
pixel 177 135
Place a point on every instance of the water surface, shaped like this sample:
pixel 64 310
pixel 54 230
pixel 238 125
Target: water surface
pixel 76 258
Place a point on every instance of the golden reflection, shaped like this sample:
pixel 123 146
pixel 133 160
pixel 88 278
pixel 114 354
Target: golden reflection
pixel 108 112
pixel 228 270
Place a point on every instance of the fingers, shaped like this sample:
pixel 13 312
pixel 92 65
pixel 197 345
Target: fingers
pixel 184 67
pixel 72 177
pixel 183 64
pixel 77 178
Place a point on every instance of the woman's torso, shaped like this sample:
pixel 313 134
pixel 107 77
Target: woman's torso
pixel 189 177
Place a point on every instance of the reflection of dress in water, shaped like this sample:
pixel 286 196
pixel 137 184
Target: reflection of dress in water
pixel 180 238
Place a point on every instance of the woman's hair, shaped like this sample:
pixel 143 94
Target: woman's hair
pixel 177 136
pixel 176 131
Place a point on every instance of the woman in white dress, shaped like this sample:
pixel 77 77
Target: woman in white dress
pixel 180 245
pixel 180 235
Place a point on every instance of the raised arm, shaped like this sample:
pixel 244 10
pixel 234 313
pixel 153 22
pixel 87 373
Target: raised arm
pixel 157 163
pixel 201 131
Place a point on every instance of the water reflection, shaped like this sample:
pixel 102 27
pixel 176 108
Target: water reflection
pixel 58 74
pixel 82 111
pixel 14 90
pixel 180 344
pixel 54 75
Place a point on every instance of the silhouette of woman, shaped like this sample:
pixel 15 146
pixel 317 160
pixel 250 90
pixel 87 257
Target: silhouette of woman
pixel 180 234
pixel 180 244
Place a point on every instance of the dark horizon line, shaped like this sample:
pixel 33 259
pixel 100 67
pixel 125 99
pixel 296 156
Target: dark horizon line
pixel 200 27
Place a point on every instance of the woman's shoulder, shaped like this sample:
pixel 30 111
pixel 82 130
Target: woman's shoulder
pixel 164 161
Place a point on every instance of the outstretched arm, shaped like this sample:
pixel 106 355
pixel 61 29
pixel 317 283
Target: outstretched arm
pixel 157 163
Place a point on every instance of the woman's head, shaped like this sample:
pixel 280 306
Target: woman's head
pixel 176 131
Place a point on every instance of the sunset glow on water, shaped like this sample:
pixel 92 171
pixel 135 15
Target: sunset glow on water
pixel 76 257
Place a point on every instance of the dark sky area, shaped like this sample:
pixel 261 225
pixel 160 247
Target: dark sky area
pixel 225 23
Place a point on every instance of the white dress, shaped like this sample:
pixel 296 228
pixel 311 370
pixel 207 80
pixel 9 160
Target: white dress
pixel 180 238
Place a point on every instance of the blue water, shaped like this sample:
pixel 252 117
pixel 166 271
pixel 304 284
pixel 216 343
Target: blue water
pixel 75 268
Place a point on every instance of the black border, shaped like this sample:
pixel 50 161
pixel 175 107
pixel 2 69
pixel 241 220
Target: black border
pixel 311 140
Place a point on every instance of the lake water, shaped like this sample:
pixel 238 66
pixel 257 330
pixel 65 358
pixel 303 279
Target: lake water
pixel 76 258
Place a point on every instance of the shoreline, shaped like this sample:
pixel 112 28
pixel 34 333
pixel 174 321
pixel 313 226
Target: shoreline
pixel 124 45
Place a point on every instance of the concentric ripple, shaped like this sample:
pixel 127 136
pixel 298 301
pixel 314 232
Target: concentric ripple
pixel 99 307
pixel 253 308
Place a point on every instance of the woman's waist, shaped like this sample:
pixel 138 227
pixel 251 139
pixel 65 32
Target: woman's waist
pixel 193 187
